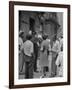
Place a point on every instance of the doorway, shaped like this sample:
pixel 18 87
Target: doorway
pixel 32 25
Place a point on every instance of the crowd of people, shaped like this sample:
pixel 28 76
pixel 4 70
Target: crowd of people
pixel 40 48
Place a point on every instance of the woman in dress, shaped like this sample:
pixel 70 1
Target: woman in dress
pixel 44 52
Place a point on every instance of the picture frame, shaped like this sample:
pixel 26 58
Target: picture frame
pixel 12 43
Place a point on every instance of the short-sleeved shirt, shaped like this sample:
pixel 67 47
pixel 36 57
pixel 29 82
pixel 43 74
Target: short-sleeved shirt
pixel 56 46
pixel 28 48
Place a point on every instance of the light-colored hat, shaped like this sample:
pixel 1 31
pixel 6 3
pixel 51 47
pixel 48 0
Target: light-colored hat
pixel 21 32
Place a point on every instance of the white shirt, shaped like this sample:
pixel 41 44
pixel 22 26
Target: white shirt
pixel 56 46
pixel 28 48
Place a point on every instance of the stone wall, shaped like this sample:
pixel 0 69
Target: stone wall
pixel 47 28
pixel 25 21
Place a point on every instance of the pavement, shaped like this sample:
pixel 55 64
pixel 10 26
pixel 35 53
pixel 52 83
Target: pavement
pixel 36 74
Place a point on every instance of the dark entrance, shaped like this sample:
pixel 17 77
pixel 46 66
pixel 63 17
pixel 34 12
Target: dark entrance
pixel 32 25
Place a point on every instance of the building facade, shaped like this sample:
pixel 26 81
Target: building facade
pixel 40 22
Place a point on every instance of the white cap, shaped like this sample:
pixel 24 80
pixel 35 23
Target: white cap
pixel 21 32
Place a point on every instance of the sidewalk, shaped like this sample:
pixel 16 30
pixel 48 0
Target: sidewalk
pixel 36 74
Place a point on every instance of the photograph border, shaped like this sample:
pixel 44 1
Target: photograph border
pixel 11 43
